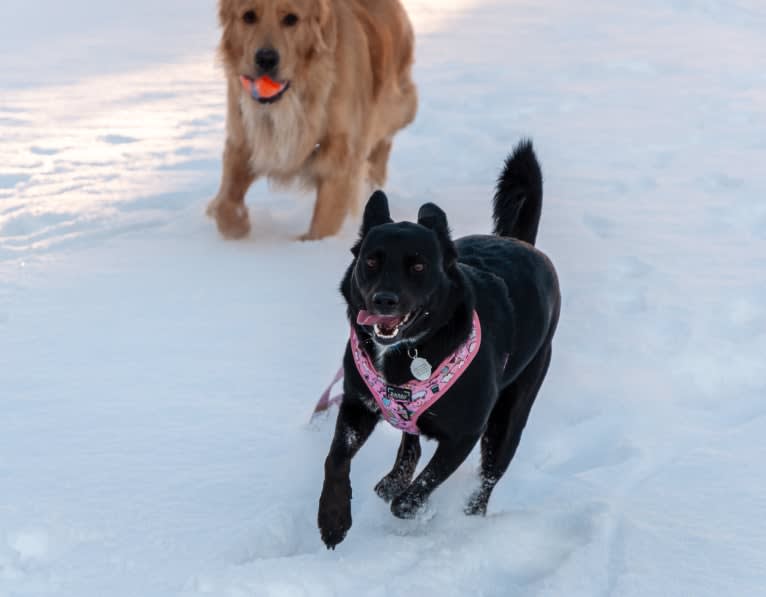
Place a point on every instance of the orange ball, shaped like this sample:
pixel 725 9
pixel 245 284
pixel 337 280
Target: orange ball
pixel 267 87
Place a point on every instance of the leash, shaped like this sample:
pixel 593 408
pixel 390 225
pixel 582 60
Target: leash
pixel 325 402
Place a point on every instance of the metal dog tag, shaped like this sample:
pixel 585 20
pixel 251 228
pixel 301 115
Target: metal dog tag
pixel 420 368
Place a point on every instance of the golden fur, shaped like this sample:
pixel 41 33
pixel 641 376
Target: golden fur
pixel 349 66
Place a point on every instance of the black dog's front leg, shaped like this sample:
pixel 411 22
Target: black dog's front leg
pixel 355 424
pixel 447 458
pixel 401 474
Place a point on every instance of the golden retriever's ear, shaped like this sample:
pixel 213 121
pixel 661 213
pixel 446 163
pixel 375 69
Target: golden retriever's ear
pixel 224 10
pixel 323 25
pixel 226 19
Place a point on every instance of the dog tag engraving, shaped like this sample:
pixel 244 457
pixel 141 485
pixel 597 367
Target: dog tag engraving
pixel 420 368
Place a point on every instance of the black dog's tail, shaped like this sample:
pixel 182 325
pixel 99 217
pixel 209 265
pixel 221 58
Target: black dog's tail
pixel 519 197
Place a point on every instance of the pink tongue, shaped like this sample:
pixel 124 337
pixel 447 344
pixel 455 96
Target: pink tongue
pixel 367 318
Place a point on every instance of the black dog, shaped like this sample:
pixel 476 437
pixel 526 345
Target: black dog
pixel 412 294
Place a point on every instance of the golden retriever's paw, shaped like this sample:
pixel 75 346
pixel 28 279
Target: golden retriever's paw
pixel 307 237
pixel 314 235
pixel 320 232
pixel 232 219
pixel 211 208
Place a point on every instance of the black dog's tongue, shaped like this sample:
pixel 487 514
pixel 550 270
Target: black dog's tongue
pixel 387 321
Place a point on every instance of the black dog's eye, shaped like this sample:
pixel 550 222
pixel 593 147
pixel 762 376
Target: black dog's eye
pixel 418 268
pixel 372 263
pixel 249 17
pixel 290 20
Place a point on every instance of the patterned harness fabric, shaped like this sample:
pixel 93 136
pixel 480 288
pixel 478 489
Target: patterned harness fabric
pixel 401 406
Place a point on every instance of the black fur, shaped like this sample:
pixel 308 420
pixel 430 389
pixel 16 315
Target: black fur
pixel 519 196
pixel 514 289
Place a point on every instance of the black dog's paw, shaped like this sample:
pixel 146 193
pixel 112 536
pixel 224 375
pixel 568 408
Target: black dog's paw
pixel 391 486
pixel 334 517
pixel 477 504
pixel 406 506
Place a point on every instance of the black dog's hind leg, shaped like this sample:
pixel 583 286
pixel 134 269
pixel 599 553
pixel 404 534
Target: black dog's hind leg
pixel 355 424
pixel 506 422
pixel 448 457
pixel 401 474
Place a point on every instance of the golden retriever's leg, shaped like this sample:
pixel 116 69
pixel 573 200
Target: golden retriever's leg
pixel 336 195
pixel 401 111
pixel 379 163
pixel 228 207
pixel 339 171
pixel 409 103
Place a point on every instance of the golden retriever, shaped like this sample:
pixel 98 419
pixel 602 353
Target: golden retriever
pixel 342 74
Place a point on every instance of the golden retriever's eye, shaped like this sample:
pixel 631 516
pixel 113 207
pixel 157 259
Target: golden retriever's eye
pixel 372 263
pixel 418 268
pixel 290 20
pixel 249 17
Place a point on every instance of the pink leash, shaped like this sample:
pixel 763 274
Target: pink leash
pixel 325 402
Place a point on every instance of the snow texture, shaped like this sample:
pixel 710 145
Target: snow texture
pixel 156 381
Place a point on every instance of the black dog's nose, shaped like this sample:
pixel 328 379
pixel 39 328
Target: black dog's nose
pixel 385 301
pixel 267 59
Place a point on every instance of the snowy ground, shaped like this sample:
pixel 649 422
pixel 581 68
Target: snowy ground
pixel 156 382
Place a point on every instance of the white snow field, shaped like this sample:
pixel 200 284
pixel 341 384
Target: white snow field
pixel 156 382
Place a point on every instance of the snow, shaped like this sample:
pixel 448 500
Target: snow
pixel 156 382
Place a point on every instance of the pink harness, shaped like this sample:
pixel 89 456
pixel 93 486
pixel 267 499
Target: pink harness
pixel 402 405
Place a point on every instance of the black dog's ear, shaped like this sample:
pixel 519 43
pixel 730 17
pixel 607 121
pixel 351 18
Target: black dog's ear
pixel 375 213
pixel 433 217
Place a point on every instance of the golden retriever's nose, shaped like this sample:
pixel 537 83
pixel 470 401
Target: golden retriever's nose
pixel 267 60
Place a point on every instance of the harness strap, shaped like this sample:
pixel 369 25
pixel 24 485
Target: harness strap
pixel 325 402
pixel 402 405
